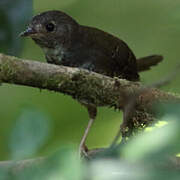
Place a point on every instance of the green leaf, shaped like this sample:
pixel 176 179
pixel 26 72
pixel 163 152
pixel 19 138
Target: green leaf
pixel 29 134
pixel 64 164
pixel 155 145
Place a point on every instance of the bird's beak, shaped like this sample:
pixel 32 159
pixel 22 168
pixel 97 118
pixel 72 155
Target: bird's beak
pixel 28 32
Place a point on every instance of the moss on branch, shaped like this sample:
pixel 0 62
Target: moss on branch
pixel 79 83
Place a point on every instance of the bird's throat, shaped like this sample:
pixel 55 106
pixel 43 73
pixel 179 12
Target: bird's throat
pixel 56 53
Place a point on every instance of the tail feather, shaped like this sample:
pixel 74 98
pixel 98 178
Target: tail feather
pixel 145 63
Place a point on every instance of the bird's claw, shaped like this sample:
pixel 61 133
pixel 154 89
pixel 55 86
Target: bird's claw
pixel 83 151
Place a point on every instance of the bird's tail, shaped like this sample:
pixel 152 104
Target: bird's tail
pixel 145 63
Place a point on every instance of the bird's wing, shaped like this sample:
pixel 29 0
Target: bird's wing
pixel 120 58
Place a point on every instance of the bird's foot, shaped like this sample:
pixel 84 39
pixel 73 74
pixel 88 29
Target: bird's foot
pixel 83 151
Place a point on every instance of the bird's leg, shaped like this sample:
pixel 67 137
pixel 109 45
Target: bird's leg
pixel 92 111
pixel 126 127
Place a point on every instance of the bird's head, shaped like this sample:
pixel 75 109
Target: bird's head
pixel 51 28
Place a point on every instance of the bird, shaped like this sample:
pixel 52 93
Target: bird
pixel 66 42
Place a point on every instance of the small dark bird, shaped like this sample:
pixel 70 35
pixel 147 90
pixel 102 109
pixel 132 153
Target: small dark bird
pixel 65 42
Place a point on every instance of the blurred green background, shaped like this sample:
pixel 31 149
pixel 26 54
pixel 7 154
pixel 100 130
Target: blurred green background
pixel 148 27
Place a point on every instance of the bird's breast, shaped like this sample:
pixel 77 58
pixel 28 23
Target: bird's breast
pixel 56 54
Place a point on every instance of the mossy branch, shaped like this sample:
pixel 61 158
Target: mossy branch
pixel 81 84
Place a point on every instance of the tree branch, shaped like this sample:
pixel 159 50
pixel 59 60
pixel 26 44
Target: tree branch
pixel 88 87
pixel 79 83
pixel 84 86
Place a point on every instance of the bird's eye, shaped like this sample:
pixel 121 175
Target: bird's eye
pixel 50 27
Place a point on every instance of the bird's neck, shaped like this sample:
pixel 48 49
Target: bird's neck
pixel 57 53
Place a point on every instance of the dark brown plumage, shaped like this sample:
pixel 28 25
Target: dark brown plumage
pixel 67 43
pixel 71 44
